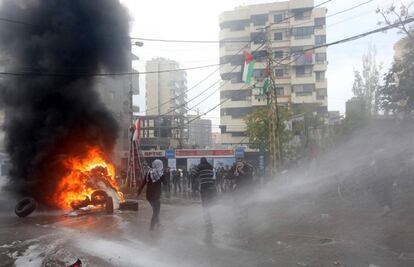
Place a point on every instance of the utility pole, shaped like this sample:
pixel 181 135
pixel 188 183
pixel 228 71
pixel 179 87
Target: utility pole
pixel 274 134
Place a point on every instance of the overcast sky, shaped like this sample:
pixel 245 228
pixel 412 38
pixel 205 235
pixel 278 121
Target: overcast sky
pixel 198 20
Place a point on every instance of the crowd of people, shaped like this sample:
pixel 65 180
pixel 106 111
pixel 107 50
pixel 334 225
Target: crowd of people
pixel 183 182
pixel 203 182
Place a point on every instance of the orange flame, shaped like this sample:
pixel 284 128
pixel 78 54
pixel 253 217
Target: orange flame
pixel 82 181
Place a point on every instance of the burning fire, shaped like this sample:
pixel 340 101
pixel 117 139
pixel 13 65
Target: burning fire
pixel 86 174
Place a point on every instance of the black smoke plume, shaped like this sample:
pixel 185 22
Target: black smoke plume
pixel 51 116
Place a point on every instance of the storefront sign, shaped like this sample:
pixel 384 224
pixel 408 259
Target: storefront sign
pixel 153 153
pixel 198 153
pixel 169 154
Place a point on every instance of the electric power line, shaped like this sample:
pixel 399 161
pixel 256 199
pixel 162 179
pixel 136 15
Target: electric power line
pixel 349 39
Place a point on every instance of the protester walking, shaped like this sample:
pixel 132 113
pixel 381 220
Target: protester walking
pixel 204 173
pixel 153 182
pixel 242 175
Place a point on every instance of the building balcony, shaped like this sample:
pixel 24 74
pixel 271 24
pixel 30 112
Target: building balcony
pixel 236 104
pixel 303 79
pixel 228 34
pixel 323 83
pixel 228 68
pixel 281 43
pixel 227 86
pixel 304 97
pixel 303 42
pixel 320 66
pixel 303 59
pixel 283 79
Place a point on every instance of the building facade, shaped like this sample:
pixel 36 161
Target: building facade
pixel 162 132
pixel 294 26
pixel 165 91
pixel 199 133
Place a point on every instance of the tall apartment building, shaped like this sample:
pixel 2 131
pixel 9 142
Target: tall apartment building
pixel 200 133
pixel 165 91
pixel 165 99
pixel 295 26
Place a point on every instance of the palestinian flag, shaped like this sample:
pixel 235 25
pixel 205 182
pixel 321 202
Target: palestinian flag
pixel 248 67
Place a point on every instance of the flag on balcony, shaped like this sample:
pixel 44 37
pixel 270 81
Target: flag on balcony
pixel 308 57
pixel 248 67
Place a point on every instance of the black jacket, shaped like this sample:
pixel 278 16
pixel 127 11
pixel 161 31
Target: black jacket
pixel 153 189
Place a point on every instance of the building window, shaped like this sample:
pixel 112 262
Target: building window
pixel 278 54
pixel 259 56
pixel 236 95
pixel 322 92
pixel 278 36
pixel 320 57
pixel 302 14
pixel 320 39
pixel 303 89
pixel 278 18
pixel 236 112
pixel 4 170
pixel 319 23
pixel 258 74
pixel 282 72
pixel 279 72
pixel 303 71
pixel 320 75
pixel 258 37
pixel 238 134
pixel 259 20
pixel 280 91
pixel 302 32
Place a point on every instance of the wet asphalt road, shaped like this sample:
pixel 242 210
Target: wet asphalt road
pixel 283 234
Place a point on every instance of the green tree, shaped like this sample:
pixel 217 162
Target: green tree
pixel 367 83
pixel 258 129
pixel 397 94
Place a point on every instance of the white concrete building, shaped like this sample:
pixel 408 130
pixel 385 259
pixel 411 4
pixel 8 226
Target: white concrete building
pixel 165 91
pixel 300 77
pixel 200 133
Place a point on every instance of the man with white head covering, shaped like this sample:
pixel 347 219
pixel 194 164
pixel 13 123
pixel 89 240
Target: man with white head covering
pixel 153 181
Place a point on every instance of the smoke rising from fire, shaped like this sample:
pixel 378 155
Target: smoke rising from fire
pixel 51 117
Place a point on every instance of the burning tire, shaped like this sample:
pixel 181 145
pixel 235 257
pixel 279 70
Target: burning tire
pixel 25 207
pixel 109 205
pixel 80 203
pixel 99 197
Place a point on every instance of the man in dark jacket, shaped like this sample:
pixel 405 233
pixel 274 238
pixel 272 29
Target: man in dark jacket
pixel 204 173
pixel 153 182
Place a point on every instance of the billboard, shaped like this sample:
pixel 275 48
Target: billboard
pixel 208 153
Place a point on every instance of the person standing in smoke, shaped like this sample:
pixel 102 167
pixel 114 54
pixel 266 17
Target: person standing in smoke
pixel 204 173
pixel 177 181
pixel 242 175
pixel 385 170
pixel 153 181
